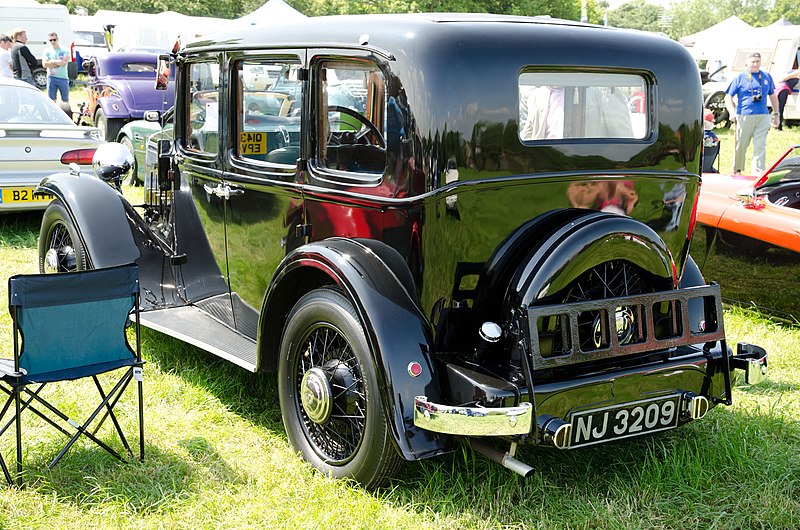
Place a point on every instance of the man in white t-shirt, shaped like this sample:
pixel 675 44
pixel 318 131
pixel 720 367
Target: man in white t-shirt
pixel 6 68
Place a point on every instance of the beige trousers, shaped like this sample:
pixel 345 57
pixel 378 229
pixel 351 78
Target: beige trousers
pixel 751 127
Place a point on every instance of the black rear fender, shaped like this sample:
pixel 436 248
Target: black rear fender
pixel 397 331
pixel 100 214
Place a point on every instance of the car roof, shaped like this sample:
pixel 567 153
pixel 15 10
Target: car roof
pixel 8 81
pixel 354 29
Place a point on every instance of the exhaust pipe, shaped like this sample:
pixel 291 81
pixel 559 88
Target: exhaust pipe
pixel 504 459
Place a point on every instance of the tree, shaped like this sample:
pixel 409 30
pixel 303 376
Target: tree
pixel 637 14
pixel 788 9
pixel 691 16
pixel 566 9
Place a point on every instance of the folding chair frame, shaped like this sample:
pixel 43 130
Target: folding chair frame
pixel 18 387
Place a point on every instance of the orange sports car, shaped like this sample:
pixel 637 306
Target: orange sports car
pixel 748 236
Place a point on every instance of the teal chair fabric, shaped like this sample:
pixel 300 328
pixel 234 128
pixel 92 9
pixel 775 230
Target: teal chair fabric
pixel 68 327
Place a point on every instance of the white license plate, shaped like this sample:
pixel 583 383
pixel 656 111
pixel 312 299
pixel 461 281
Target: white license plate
pixel 624 421
pixel 17 195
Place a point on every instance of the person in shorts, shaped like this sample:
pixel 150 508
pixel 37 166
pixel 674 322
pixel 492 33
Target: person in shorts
pixel 55 59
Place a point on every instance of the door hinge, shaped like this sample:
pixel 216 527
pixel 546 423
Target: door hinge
pixel 303 230
pixel 302 74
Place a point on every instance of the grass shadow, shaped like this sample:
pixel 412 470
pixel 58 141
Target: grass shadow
pixel 252 396
pixel 88 477
pixel 20 229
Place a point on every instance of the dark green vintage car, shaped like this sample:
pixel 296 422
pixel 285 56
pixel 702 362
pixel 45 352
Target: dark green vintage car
pixel 135 134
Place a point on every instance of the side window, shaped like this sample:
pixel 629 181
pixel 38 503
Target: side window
pixel 351 98
pixel 269 102
pixel 203 106
pixel 558 105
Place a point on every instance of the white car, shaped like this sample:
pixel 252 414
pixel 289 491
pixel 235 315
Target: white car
pixel 37 138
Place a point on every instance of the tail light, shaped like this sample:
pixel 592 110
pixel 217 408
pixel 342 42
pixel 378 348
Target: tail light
pixel 693 217
pixel 78 156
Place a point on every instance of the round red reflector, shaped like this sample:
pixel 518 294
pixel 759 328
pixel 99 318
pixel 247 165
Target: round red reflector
pixel 414 369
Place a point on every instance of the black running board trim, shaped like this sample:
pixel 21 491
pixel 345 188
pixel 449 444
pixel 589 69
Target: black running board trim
pixel 198 328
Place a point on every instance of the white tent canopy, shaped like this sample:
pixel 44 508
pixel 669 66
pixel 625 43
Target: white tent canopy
pixel 157 31
pixel 271 12
pixel 717 43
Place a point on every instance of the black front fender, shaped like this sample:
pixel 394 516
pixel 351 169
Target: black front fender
pixel 99 213
pixel 397 331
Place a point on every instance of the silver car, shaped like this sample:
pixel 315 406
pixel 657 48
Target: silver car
pixel 37 138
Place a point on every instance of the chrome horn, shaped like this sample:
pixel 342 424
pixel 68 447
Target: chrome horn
pixel 113 163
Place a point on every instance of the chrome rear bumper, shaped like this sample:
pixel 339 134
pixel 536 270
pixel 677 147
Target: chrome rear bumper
pixel 473 421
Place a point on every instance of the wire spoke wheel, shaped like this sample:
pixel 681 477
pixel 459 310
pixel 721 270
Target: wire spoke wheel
pixel 60 248
pixel 611 279
pixel 338 435
pixel 329 392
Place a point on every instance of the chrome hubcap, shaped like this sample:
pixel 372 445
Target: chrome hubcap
pixel 51 261
pixel 59 260
pixel 316 395
pixel 625 327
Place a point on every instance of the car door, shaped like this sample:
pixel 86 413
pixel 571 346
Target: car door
pixel 201 230
pixel 264 214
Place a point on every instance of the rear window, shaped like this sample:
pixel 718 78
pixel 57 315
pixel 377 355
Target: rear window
pixel 27 105
pixel 138 68
pixel 582 105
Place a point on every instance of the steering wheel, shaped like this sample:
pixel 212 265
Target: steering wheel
pixel 368 126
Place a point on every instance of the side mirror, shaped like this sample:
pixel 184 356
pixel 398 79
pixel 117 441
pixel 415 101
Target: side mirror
pixel 152 116
pixel 113 163
pixel 162 72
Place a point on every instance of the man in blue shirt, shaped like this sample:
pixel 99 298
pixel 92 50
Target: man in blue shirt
pixel 750 113
pixel 55 59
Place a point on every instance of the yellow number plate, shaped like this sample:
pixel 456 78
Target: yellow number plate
pixel 253 143
pixel 17 195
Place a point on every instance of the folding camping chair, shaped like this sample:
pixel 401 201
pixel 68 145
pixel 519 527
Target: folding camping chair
pixel 68 327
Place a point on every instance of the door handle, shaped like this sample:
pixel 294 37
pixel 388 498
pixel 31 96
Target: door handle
pixel 222 190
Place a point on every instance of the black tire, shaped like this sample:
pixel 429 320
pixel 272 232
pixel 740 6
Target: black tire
pixel 40 78
pixel 60 246
pixel 716 104
pixel 324 341
pixel 109 127
pixel 134 179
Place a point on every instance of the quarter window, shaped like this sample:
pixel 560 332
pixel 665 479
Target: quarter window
pixel 202 127
pixel 351 123
pixel 269 102
pixel 556 105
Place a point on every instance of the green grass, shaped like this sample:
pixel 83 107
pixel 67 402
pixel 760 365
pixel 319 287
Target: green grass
pixel 217 457
pixel 777 143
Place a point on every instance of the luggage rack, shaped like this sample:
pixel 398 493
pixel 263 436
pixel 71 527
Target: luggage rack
pixel 607 311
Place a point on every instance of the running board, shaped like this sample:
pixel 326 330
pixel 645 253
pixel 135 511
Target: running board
pixel 198 328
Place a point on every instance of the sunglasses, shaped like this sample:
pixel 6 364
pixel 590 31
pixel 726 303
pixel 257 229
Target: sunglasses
pixel 52 40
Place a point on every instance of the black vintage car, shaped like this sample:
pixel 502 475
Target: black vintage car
pixel 453 228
